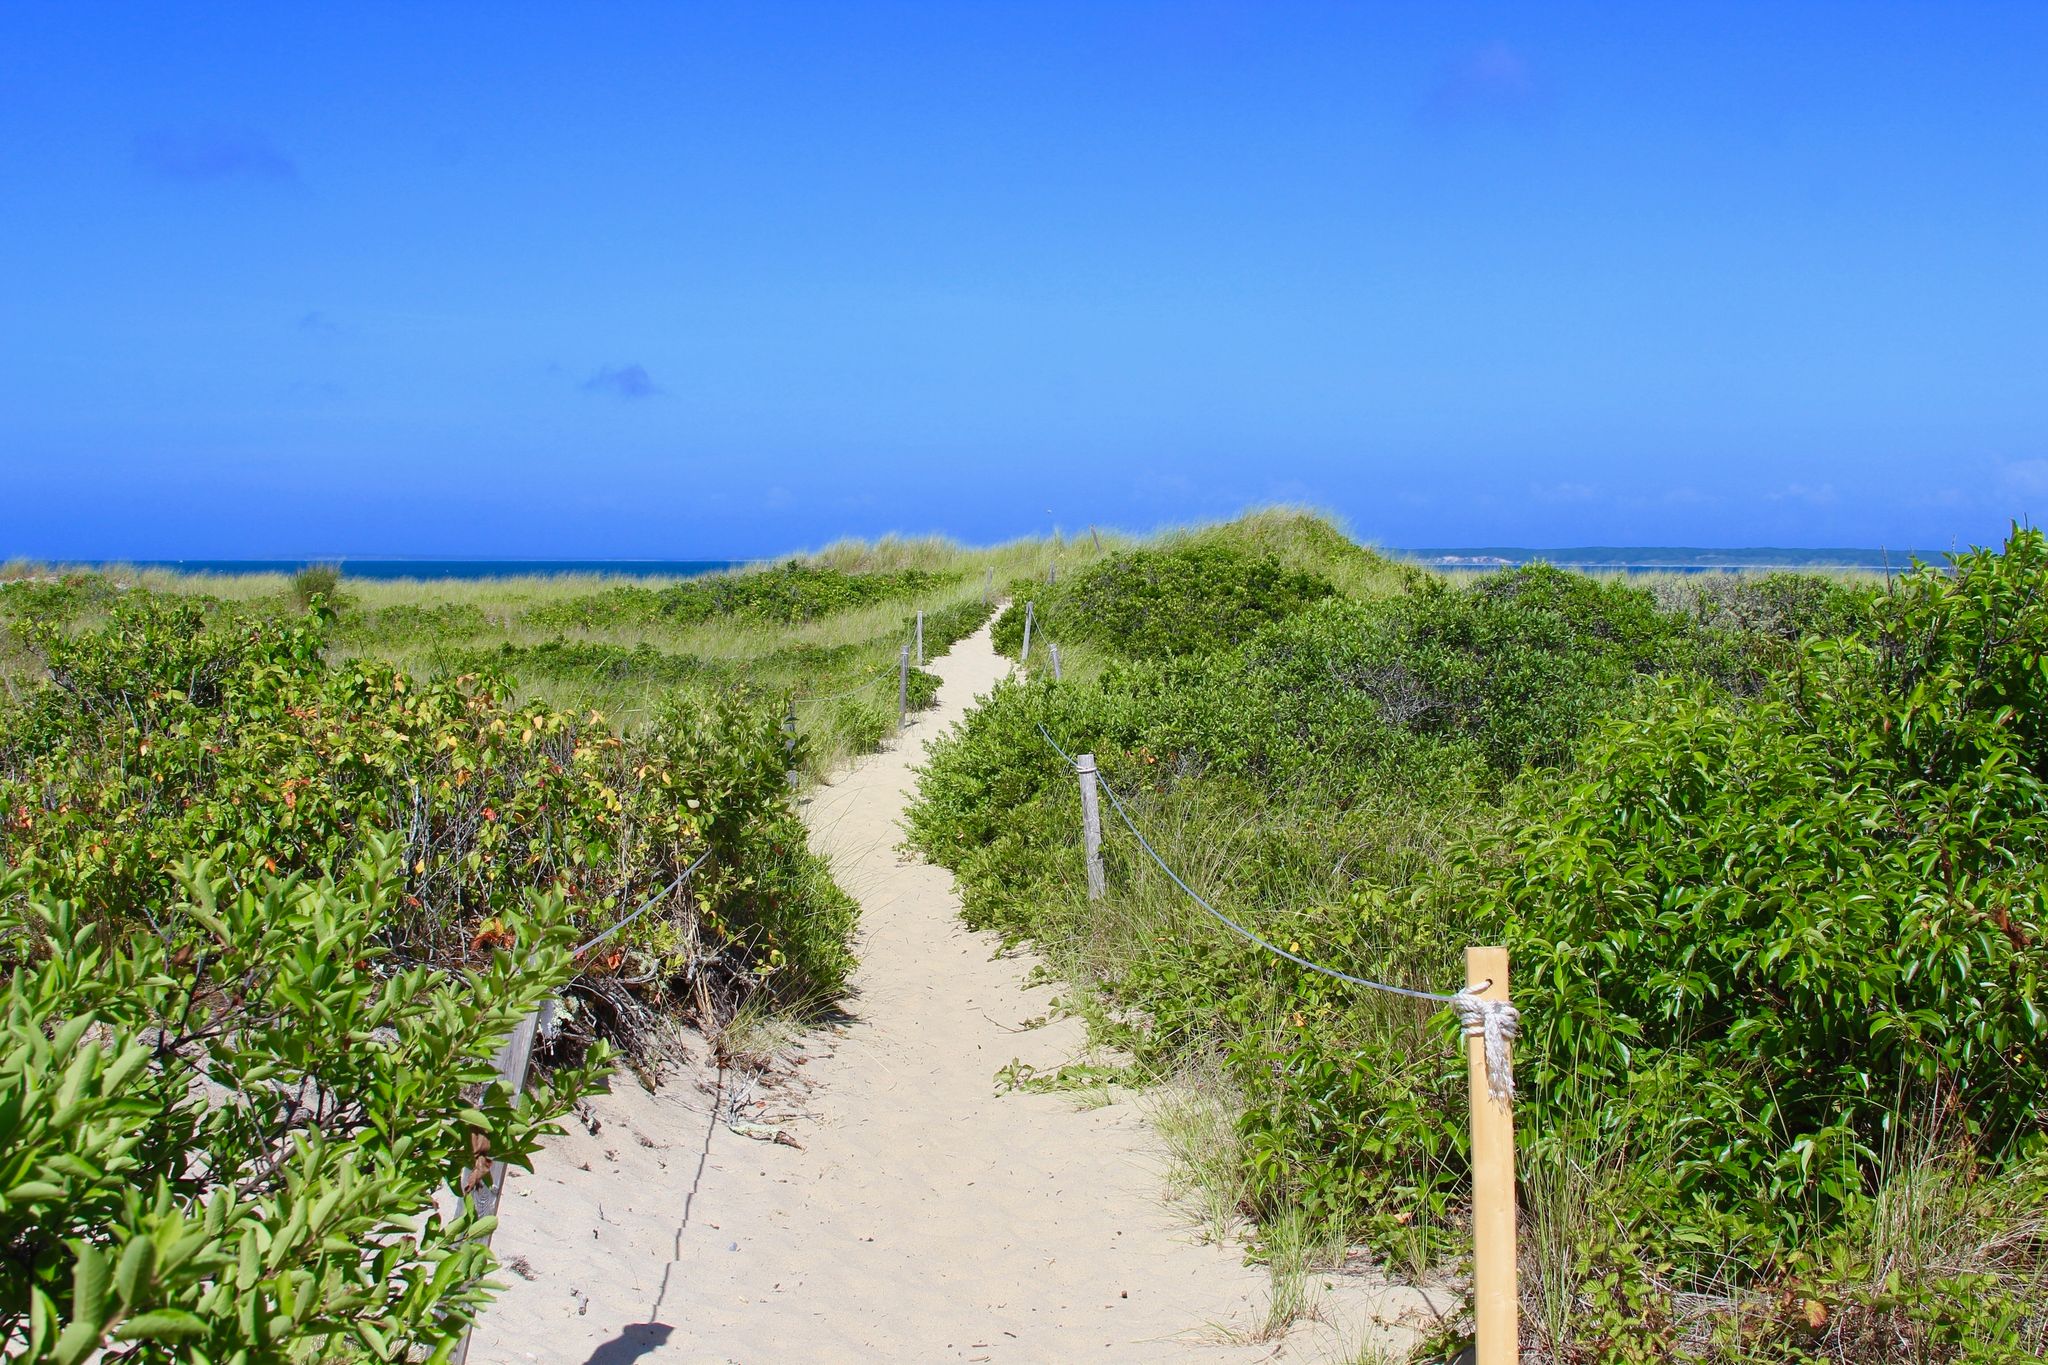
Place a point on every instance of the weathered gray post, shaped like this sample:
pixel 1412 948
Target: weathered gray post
pixel 988 586
pixel 903 687
pixel 1025 653
pixel 1055 661
pixel 1096 536
pixel 1052 573
pixel 1091 824
pixel 789 743
pixel 512 1062
pixel 920 639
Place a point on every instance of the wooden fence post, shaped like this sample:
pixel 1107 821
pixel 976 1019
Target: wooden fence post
pixel 920 639
pixel 1496 1301
pixel 988 586
pixel 512 1062
pixel 903 688
pixel 1091 823
pixel 789 742
pixel 1025 653
pixel 1054 650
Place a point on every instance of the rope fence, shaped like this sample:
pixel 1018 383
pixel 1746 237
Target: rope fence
pixel 1488 1022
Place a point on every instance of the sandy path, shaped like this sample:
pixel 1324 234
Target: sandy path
pixel 925 1217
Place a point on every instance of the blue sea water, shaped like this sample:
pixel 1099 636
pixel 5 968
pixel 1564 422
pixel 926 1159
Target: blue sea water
pixel 444 568
pixel 1641 559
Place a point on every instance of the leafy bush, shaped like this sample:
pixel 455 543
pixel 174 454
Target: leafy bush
pixel 26 602
pixel 168 732
pixel 589 660
pixel 434 623
pixel 222 1139
pixel 785 595
pixel 1153 604
pixel 1518 664
pixel 1792 920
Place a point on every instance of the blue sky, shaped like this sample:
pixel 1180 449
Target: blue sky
pixel 701 279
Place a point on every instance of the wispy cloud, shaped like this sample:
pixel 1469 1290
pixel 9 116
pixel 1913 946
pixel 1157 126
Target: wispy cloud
pixel 318 324
pixel 1813 495
pixel 1494 82
pixel 2024 476
pixel 213 154
pixel 629 382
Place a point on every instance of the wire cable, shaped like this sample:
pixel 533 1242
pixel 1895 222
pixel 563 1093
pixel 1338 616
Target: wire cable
pixel 1232 924
pixel 1496 1023
pixel 652 901
pixel 1055 743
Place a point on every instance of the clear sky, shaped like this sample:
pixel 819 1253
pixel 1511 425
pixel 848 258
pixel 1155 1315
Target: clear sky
pixel 688 280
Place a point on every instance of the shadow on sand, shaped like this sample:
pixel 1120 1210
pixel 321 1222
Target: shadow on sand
pixel 635 1339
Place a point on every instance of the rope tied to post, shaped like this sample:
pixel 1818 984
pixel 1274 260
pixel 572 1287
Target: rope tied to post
pixel 1497 1023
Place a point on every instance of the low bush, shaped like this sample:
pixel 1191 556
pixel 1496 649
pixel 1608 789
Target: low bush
pixel 784 595
pixel 1800 918
pixel 578 660
pixel 222 1139
pixel 168 732
pixel 267 920
pixel 1159 603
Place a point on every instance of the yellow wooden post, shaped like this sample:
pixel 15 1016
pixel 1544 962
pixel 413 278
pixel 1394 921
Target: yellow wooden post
pixel 1496 1307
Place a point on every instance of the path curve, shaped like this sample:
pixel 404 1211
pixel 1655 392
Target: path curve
pixel 921 1216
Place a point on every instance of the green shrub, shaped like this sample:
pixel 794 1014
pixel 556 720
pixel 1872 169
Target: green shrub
pixel 577 660
pixel 222 1139
pixel 32 601
pixel 1795 918
pixel 1192 598
pixel 166 732
pixel 409 622
pixel 784 595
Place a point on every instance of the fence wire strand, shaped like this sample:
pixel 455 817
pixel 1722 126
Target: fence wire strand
pixel 1247 934
pixel 1495 1023
pixel 1125 815
pixel 652 901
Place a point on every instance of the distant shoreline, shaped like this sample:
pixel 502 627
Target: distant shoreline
pixel 425 569
pixel 1625 559
pixel 1658 558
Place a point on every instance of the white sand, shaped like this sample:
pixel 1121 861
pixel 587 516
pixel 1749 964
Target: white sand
pixel 925 1216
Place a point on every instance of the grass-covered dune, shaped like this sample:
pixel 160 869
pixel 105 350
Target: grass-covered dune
pixel 282 860
pixel 1767 851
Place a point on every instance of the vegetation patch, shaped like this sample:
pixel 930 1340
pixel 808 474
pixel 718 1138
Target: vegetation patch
pixel 1767 858
pixel 784 595
pixel 267 919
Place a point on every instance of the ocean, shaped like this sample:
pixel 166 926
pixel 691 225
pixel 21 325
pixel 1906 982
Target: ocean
pixel 1605 559
pixel 436 568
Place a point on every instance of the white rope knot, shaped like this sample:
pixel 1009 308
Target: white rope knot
pixel 1498 1023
